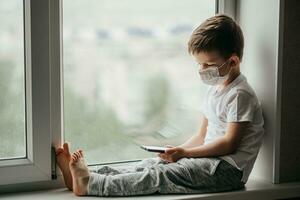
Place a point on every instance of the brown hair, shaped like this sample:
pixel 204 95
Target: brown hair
pixel 219 33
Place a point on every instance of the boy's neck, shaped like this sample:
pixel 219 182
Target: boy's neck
pixel 232 77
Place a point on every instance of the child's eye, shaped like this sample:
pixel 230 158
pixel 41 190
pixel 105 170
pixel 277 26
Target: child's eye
pixel 206 65
pixel 210 65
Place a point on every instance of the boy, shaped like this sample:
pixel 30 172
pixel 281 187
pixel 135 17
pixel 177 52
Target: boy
pixel 218 158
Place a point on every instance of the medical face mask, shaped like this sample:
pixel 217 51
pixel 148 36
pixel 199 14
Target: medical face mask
pixel 211 75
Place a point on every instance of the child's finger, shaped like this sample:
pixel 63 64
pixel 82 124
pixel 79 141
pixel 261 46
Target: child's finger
pixel 163 156
pixel 171 150
pixel 160 156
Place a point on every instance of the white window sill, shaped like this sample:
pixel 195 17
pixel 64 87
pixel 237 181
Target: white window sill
pixel 254 190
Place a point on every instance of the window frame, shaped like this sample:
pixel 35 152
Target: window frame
pixel 41 95
pixel 227 7
pixel 44 97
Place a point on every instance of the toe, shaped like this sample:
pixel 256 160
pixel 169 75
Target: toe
pixel 81 153
pixel 74 158
pixel 78 154
pixel 59 151
pixel 66 148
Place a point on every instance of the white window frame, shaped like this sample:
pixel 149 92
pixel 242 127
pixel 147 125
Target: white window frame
pixel 44 97
pixel 227 7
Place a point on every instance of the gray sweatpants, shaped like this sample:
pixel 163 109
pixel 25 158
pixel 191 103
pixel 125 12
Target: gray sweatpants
pixel 153 175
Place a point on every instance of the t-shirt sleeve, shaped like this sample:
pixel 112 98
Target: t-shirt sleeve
pixel 241 107
pixel 202 108
pixel 203 105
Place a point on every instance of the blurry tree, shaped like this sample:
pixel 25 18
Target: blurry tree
pixel 157 93
pixel 93 128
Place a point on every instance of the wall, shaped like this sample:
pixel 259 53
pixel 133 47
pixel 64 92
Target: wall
pixel 272 65
pixel 259 21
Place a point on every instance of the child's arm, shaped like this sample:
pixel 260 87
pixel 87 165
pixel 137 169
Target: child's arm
pixel 198 138
pixel 224 145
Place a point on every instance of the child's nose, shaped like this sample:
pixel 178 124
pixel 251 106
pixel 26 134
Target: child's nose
pixel 202 66
pixel 199 66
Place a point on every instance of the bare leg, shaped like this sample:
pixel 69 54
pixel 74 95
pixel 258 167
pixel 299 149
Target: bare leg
pixel 63 158
pixel 80 173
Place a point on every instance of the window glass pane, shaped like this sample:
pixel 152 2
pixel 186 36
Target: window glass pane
pixel 128 78
pixel 12 106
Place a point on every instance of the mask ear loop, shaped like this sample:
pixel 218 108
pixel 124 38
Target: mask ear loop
pixel 225 63
pixel 230 68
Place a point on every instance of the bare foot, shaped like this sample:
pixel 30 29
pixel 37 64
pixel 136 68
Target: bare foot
pixel 80 173
pixel 63 159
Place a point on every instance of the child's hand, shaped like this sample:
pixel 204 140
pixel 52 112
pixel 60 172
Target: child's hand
pixel 173 154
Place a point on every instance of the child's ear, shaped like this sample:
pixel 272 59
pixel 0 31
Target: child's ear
pixel 234 60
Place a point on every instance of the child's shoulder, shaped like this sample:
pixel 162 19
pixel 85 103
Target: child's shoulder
pixel 242 87
pixel 242 92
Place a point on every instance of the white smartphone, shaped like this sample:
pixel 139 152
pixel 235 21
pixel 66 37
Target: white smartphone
pixel 154 149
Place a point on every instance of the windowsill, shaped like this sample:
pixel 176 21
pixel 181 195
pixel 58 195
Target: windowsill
pixel 254 190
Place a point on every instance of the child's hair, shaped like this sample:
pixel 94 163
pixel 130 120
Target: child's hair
pixel 219 33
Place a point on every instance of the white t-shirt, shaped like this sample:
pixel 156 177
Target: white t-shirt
pixel 236 102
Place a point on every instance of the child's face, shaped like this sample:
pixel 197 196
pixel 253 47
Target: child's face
pixel 211 59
